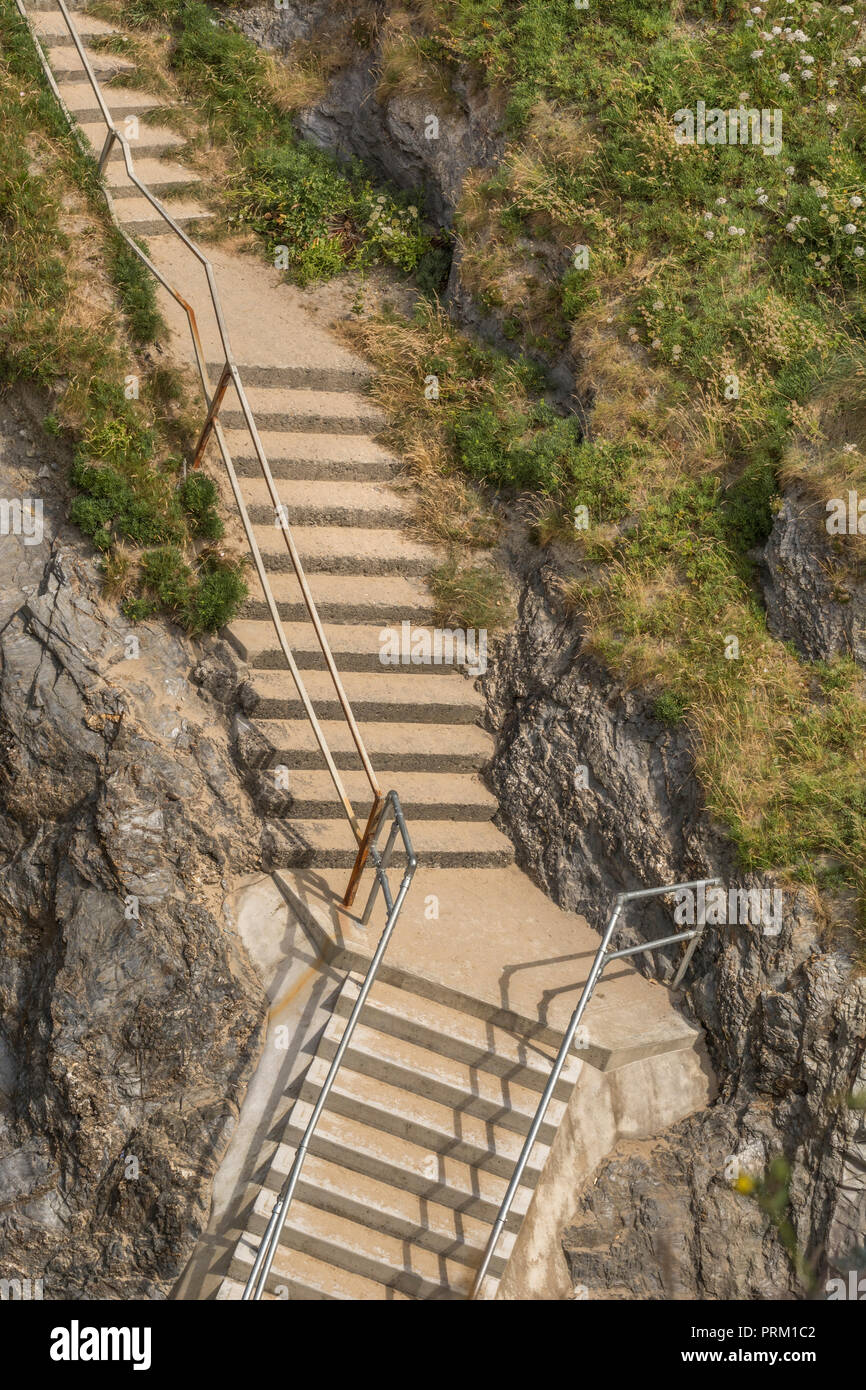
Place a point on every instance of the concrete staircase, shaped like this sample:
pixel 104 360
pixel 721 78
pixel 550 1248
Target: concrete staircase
pixel 352 530
pixel 423 1126
pixel 351 523
pixel 411 1158
pixel 149 141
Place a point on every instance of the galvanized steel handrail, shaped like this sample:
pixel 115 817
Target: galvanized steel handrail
pixel 603 958
pixel 255 1285
pixel 230 375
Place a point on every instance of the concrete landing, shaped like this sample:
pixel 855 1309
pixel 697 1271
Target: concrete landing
pixel 500 950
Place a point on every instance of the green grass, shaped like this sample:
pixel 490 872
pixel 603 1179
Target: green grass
pixel 469 596
pixel 714 368
pixel 125 477
pixel 136 289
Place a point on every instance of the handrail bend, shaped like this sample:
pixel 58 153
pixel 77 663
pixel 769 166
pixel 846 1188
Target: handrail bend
pixel 602 959
pixel 230 375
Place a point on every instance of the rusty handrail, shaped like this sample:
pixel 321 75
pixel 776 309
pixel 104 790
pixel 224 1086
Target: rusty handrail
pixel 230 374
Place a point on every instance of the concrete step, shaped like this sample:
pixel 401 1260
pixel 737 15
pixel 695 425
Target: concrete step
pixel 304 455
pixel 393 1210
pixel 162 177
pixel 299 376
pixel 339 598
pixel 358 1148
pixel 151 141
pixel 446 699
pixel 335 550
pixel 416 1118
pixel 358 1249
pixel 230 1291
pixel 444 796
pixel 298 1276
pixel 312 502
pixel 393 747
pixel 327 844
pixel 356 647
pixel 140 218
pixel 49 24
pixel 475 1042
pixel 67 66
pixel 465 1089
pixel 326 412
pixel 121 101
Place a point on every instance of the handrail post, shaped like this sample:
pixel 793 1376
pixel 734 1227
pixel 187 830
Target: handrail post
pixel 212 413
pixel 106 148
pixel 363 851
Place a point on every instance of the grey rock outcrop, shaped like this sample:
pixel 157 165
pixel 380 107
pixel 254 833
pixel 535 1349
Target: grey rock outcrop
pixel 814 592
pixel 418 140
pixel 600 797
pixel 130 1017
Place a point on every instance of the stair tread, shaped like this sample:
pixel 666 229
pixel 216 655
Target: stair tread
pixel 51 23
pixel 306 401
pixel 463 789
pixel 300 444
pixel 67 65
pixel 337 595
pixel 471 1039
pixel 298 1269
pixel 388 1260
pixel 138 209
pixel 79 96
pixel 321 496
pixel 366 647
pixel 425 1122
pixel 347 551
pixel 434 841
pixel 154 173
pixel 294 738
pixel 407 1214
pixel 150 137
pixel 389 685
pixel 418 1068
pixel 360 1147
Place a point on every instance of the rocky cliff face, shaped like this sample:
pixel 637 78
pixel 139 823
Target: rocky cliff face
pixel 814 592
pixel 599 798
pixel 419 139
pixel 130 1018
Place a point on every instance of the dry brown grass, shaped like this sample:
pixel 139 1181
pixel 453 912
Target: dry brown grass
pixel 449 508
pixel 403 70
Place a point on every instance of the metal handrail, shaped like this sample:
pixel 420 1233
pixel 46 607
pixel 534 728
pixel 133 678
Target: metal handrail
pixel 255 1285
pixel 603 958
pixel 230 374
